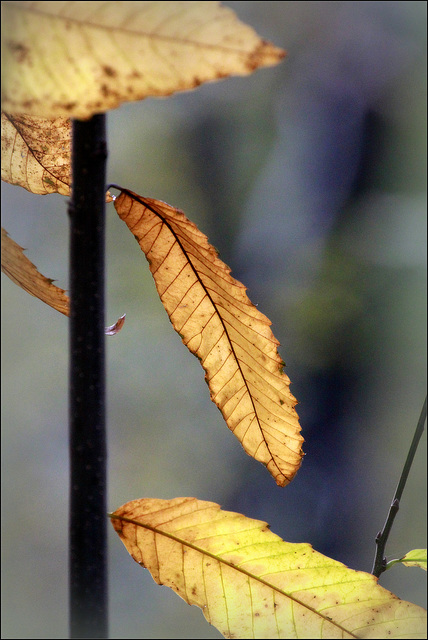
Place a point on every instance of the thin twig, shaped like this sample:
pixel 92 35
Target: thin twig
pixel 379 564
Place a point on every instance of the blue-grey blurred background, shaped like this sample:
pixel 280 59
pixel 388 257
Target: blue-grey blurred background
pixel 310 179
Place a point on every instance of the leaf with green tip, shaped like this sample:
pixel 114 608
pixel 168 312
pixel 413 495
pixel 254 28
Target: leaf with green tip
pixel 251 584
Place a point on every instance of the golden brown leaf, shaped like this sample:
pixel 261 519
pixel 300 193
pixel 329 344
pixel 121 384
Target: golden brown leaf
pixel 74 59
pixel 217 322
pixel 251 584
pixel 23 273
pixel 36 153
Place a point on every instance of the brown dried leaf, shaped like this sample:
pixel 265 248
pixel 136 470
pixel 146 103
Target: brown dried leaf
pixel 23 273
pixel 75 59
pixel 36 153
pixel 217 322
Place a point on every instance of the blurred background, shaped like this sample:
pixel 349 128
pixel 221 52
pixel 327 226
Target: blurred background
pixel 310 179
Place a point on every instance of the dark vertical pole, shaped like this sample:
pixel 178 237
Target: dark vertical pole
pixel 88 495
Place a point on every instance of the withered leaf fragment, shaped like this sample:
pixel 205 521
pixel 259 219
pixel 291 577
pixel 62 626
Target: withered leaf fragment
pixel 113 329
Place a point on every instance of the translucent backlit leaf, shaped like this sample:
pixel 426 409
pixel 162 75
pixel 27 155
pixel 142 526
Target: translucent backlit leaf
pixel 251 584
pixel 75 59
pixel 217 322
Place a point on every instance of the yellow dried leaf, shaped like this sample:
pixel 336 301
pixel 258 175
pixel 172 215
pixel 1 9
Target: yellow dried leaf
pixel 217 322
pixel 251 584
pixel 75 59
pixel 36 153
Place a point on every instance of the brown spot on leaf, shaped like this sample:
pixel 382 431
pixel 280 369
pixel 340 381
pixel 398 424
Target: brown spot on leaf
pixel 108 92
pixel 109 71
pixel 68 106
pixel 19 50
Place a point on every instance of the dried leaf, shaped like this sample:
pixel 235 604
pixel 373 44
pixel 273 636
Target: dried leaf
pixel 75 59
pixel 251 584
pixel 23 273
pixel 218 323
pixel 36 153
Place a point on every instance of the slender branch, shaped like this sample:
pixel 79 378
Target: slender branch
pixel 379 564
pixel 88 499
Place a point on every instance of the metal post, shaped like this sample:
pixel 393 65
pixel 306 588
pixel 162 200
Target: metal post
pixel 88 494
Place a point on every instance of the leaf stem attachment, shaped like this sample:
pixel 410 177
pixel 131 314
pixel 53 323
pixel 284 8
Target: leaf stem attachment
pixel 380 565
